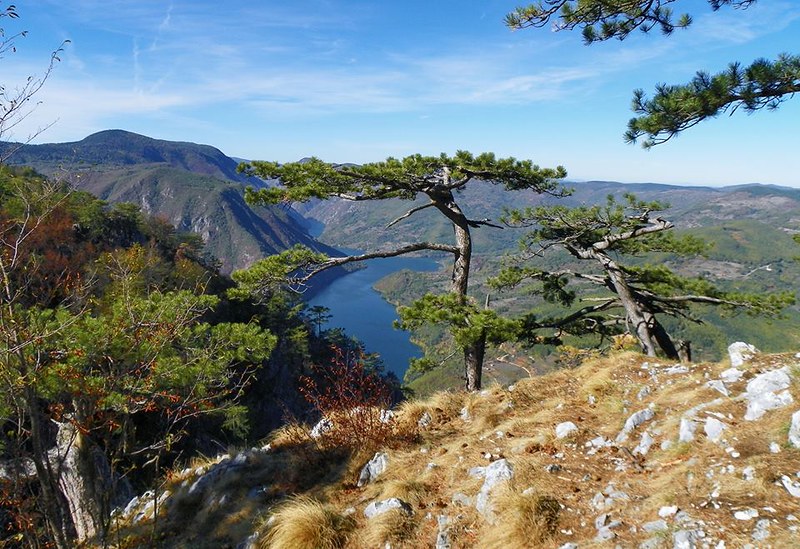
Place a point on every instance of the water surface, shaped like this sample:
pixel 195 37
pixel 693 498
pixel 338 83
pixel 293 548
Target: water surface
pixel 363 313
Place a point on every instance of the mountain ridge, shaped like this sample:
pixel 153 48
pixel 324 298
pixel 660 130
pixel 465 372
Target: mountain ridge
pixel 195 187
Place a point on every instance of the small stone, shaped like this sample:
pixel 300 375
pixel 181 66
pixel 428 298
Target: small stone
pixel 667 511
pixel 323 426
pixel 462 499
pixel 714 428
pixel 677 369
pixel 634 421
pixel 746 514
pixel 643 393
pixel 792 487
pixel 379 507
pixel 443 534
pixel 686 430
pixel 774 447
pixel 761 531
pixel 465 415
pixel 655 526
pixel 553 468
pixel 495 473
pixel 731 375
pixel 425 420
pixel 686 539
pixel 373 468
pixel 719 386
pixel 569 545
pixel 386 416
pixel 749 473
pixel 565 429
pixel 794 430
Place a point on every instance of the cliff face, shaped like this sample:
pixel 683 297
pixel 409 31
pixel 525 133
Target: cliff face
pixel 621 449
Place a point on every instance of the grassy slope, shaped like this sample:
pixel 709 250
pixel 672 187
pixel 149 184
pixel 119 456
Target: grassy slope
pixel 428 466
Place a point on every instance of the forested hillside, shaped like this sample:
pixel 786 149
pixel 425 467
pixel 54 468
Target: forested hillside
pixel 124 350
pixel 194 187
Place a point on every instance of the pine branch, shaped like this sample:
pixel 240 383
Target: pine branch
pixel 673 109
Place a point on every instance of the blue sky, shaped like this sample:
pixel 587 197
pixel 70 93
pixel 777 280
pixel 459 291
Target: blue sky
pixel 357 81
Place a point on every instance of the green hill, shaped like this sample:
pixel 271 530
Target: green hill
pixel 194 187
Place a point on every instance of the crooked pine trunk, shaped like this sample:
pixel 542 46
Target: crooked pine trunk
pixel 473 352
pixel 633 312
pixel 648 329
pixel 473 363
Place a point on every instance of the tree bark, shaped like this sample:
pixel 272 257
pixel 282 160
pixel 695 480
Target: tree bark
pixel 641 320
pixel 474 351
pixel 473 364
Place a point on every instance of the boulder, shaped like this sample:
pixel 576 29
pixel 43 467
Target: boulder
pixel 373 468
pixel 767 391
pixel 740 352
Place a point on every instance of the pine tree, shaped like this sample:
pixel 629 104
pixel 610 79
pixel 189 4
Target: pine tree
pixel 672 108
pixel 437 180
pixel 606 238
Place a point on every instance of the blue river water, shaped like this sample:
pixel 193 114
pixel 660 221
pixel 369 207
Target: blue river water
pixel 363 313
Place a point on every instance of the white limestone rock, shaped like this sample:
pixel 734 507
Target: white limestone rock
pixel 767 391
pixel 373 468
pixel 794 430
pixel 380 507
pixel 714 429
pixel 746 514
pixel 644 444
pixel 565 429
pixel 424 420
pixel 740 352
pixel 323 426
pixel 499 471
pixel 731 375
pixel 761 531
pixel 634 421
pixel 792 487
pixel 719 386
pixel 686 430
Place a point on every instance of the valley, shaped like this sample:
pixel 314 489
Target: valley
pixel 198 189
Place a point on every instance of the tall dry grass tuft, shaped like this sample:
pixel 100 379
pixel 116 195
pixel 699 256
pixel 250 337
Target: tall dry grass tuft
pixel 522 521
pixel 304 523
pixel 393 528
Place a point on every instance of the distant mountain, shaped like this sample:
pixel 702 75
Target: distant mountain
pixel 195 187
pixel 362 224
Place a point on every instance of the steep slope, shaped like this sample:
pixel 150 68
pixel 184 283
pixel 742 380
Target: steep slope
pixel 619 451
pixel 194 187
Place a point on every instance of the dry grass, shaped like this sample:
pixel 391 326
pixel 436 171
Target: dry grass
pixel 427 466
pixel 304 523
pixel 522 521
pixel 393 527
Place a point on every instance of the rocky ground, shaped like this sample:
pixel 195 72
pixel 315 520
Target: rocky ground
pixel 623 451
